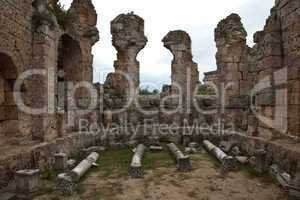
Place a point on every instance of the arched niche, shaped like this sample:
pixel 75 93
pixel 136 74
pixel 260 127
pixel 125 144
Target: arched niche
pixel 8 108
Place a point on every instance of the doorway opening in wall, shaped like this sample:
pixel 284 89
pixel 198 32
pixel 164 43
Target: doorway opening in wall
pixel 69 69
pixel 8 107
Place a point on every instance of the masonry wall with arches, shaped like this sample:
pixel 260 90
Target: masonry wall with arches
pixel 15 58
pixel 40 35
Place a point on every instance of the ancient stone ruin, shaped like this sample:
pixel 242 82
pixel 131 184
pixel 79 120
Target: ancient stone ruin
pixel 51 112
pixel 261 75
pixel 185 75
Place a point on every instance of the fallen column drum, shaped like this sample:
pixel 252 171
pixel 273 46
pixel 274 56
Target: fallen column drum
pixel 228 162
pixel 135 169
pixel 183 163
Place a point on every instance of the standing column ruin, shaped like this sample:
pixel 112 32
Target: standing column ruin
pixel 183 163
pixel 135 169
pixel 185 75
pixel 129 39
pixel 228 162
pixel 234 72
pixel 46 29
pixel 122 86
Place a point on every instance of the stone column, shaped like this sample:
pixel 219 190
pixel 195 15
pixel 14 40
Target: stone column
pixel 128 38
pixel 185 73
pixel 122 86
pixel 44 58
pixel 183 163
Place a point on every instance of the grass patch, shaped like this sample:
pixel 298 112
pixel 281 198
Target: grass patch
pixel 49 175
pixel 153 160
pixel 117 160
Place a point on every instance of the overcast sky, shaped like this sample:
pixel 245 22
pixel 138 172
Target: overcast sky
pixel 198 18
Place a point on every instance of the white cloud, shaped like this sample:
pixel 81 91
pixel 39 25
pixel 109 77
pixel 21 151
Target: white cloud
pixel 197 18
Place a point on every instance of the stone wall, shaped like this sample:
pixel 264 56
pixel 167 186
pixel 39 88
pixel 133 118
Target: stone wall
pixel 289 14
pixel 277 48
pixel 41 156
pixel 15 57
pixel 234 71
pixel 266 75
pixel 33 37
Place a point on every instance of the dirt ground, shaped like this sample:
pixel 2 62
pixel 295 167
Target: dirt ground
pixel 162 182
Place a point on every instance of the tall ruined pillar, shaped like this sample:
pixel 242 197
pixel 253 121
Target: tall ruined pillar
pixel 185 75
pixel 129 39
pixel 44 58
pixel 122 86
pixel 76 60
pixel 234 71
pixel 83 27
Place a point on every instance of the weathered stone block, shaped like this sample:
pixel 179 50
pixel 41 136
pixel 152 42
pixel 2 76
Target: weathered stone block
pixel 27 181
pixel 61 161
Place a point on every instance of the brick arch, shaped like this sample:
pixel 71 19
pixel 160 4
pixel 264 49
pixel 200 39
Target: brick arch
pixel 69 67
pixel 70 58
pixel 8 107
